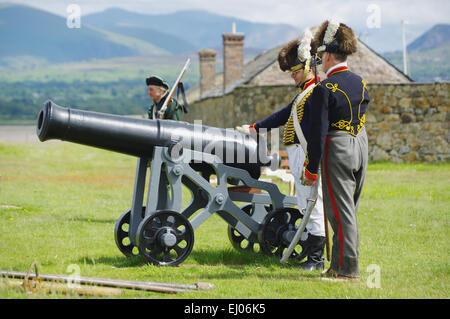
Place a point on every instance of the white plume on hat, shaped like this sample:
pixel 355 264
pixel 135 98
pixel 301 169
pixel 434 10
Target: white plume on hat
pixel 333 26
pixel 304 47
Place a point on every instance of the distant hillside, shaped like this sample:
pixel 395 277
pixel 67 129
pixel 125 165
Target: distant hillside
pixel 437 36
pixel 162 40
pixel 199 28
pixel 31 38
pixel 29 32
pixel 427 55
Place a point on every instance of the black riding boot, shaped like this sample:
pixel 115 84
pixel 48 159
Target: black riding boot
pixel 313 248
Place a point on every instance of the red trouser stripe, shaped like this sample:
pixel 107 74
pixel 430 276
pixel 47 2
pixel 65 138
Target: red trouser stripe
pixel 333 202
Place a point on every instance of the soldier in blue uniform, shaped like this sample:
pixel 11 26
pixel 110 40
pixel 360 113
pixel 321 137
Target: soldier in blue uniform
pixel 295 57
pixel 338 142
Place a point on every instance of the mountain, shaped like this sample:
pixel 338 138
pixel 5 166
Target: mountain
pixel 30 32
pixel 32 37
pixel 168 42
pixel 427 55
pixel 202 29
pixel 437 36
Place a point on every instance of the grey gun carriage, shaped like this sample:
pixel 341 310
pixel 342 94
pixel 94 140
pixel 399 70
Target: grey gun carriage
pixel 179 153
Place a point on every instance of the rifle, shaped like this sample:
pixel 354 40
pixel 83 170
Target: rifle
pixel 315 61
pixel 160 114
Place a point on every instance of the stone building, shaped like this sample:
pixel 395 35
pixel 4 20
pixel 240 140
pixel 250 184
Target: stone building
pixel 406 121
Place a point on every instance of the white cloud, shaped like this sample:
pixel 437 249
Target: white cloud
pixel 420 14
pixel 294 12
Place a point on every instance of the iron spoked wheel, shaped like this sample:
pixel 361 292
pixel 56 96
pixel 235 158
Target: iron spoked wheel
pixel 278 229
pixel 238 240
pixel 165 238
pixel 122 236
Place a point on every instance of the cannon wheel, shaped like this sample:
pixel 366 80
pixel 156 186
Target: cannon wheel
pixel 165 238
pixel 275 225
pixel 238 240
pixel 121 233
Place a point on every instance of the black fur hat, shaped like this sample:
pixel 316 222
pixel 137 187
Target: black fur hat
pixel 288 55
pixel 335 37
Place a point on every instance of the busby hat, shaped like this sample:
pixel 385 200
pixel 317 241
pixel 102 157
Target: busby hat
pixel 336 37
pixel 297 53
pixel 157 81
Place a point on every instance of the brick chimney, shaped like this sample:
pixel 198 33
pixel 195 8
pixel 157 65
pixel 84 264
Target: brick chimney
pixel 233 57
pixel 207 59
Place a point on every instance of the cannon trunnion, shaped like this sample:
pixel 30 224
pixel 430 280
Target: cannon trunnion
pixel 161 230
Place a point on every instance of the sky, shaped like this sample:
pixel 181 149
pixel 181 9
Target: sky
pixel 372 19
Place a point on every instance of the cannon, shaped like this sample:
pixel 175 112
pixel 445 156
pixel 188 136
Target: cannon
pixel 177 154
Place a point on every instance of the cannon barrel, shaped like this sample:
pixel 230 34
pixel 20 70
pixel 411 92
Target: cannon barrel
pixel 137 137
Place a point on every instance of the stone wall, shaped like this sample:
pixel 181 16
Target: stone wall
pixel 406 122
pixel 409 122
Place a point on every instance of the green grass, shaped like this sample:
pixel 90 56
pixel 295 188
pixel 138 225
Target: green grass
pixel 70 196
pixel 107 70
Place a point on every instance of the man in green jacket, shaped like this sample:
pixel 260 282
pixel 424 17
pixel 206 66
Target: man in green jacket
pixel 158 89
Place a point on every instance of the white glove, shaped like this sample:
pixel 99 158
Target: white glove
pixel 244 129
pixel 247 129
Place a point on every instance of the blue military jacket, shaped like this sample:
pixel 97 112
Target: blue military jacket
pixel 340 103
pixel 283 117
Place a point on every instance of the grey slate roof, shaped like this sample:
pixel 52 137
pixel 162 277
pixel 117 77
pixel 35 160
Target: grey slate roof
pixel 263 70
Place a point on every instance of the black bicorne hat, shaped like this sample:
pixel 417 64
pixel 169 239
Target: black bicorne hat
pixel 157 81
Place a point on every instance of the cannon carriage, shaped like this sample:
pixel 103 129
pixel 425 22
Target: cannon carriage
pixel 176 154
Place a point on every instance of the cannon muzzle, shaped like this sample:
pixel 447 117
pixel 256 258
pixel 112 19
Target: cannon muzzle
pixel 137 136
